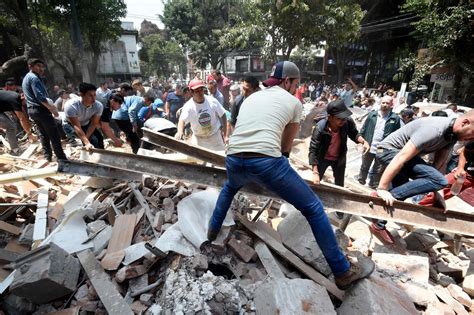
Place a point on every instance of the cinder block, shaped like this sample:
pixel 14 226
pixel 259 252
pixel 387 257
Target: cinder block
pixel 45 274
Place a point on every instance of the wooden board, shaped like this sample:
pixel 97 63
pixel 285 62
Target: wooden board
pixel 122 234
pixel 41 218
pixel 291 258
pixel 10 228
pixel 29 151
pixel 106 290
pixel 268 261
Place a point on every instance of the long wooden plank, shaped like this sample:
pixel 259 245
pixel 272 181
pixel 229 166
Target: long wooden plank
pixel 171 143
pixel 268 261
pixel 290 257
pixel 141 200
pixel 332 198
pixel 41 218
pixel 122 234
pixel 106 290
pixel 10 228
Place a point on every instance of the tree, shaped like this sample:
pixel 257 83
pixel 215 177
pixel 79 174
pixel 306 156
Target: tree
pixel 198 25
pixel 279 27
pixel 162 57
pixel 45 26
pixel 445 28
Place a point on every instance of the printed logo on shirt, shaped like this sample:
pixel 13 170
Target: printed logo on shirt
pixel 204 119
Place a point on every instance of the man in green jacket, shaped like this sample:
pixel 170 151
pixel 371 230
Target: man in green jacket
pixel 378 125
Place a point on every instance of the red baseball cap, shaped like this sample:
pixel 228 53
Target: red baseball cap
pixel 195 84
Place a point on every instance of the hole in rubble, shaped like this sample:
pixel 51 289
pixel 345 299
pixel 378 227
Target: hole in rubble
pixel 221 270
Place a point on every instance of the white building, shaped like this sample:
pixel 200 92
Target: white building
pixel 121 58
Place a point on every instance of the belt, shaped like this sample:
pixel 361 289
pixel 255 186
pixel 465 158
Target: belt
pixel 249 155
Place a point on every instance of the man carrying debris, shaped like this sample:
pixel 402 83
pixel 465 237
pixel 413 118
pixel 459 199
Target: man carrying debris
pixel 258 151
pixel 41 111
pixel 11 102
pixel 83 114
pixel 401 154
pixel 206 117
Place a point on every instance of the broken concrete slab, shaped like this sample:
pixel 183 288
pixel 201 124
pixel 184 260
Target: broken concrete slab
pixel 376 296
pixel 468 283
pixel 242 250
pixel 446 297
pixel 297 236
pixel 45 274
pixel 26 237
pixel 459 295
pixel 415 265
pixel 420 240
pixel 292 296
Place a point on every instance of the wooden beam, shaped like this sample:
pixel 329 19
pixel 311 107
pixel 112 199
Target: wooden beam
pixel 122 234
pixel 268 261
pixel 10 228
pixel 333 199
pixel 171 143
pixel 286 254
pixel 106 290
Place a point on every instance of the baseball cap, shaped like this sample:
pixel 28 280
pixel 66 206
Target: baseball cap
pixel 281 70
pixel 195 84
pixel 338 109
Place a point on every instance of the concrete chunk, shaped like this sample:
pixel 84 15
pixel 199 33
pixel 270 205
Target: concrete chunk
pixel 446 297
pixel 297 296
pixel 376 296
pixel 468 283
pixel 245 252
pixel 45 274
pixel 459 295
pixel 297 236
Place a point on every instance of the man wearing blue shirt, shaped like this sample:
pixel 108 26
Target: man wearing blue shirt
pixel 41 111
pixel 126 116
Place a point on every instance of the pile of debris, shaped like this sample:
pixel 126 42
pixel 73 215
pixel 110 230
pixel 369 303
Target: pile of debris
pixel 79 245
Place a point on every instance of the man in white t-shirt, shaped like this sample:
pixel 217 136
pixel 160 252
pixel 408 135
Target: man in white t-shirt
pixel 258 153
pixel 206 117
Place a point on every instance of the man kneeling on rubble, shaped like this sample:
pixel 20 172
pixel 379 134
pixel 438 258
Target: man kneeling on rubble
pixel 258 152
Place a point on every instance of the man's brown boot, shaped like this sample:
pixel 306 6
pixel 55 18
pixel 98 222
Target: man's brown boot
pixel 361 268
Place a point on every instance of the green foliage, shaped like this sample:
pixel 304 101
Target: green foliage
pixel 162 57
pixel 445 28
pixel 197 26
pixel 280 26
pixel 99 21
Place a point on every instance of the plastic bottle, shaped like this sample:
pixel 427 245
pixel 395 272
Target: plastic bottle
pixel 456 187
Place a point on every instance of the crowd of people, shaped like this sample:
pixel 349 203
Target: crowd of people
pixel 405 153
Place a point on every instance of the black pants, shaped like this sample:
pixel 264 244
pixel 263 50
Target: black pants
pixel 367 160
pixel 47 132
pixel 132 137
pixel 96 138
pixel 338 171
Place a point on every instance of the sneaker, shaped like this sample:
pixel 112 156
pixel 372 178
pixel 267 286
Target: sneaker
pixel 361 268
pixel 359 180
pixel 382 234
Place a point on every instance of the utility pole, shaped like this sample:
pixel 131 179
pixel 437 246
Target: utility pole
pixel 77 38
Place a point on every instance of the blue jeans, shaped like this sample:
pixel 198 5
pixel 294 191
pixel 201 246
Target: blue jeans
pixel 277 175
pixel 424 178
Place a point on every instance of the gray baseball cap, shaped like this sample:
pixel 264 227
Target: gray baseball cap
pixel 280 71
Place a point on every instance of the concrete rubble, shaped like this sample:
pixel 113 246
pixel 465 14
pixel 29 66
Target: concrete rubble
pixel 140 248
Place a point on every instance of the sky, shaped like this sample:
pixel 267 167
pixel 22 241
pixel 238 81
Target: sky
pixel 139 10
